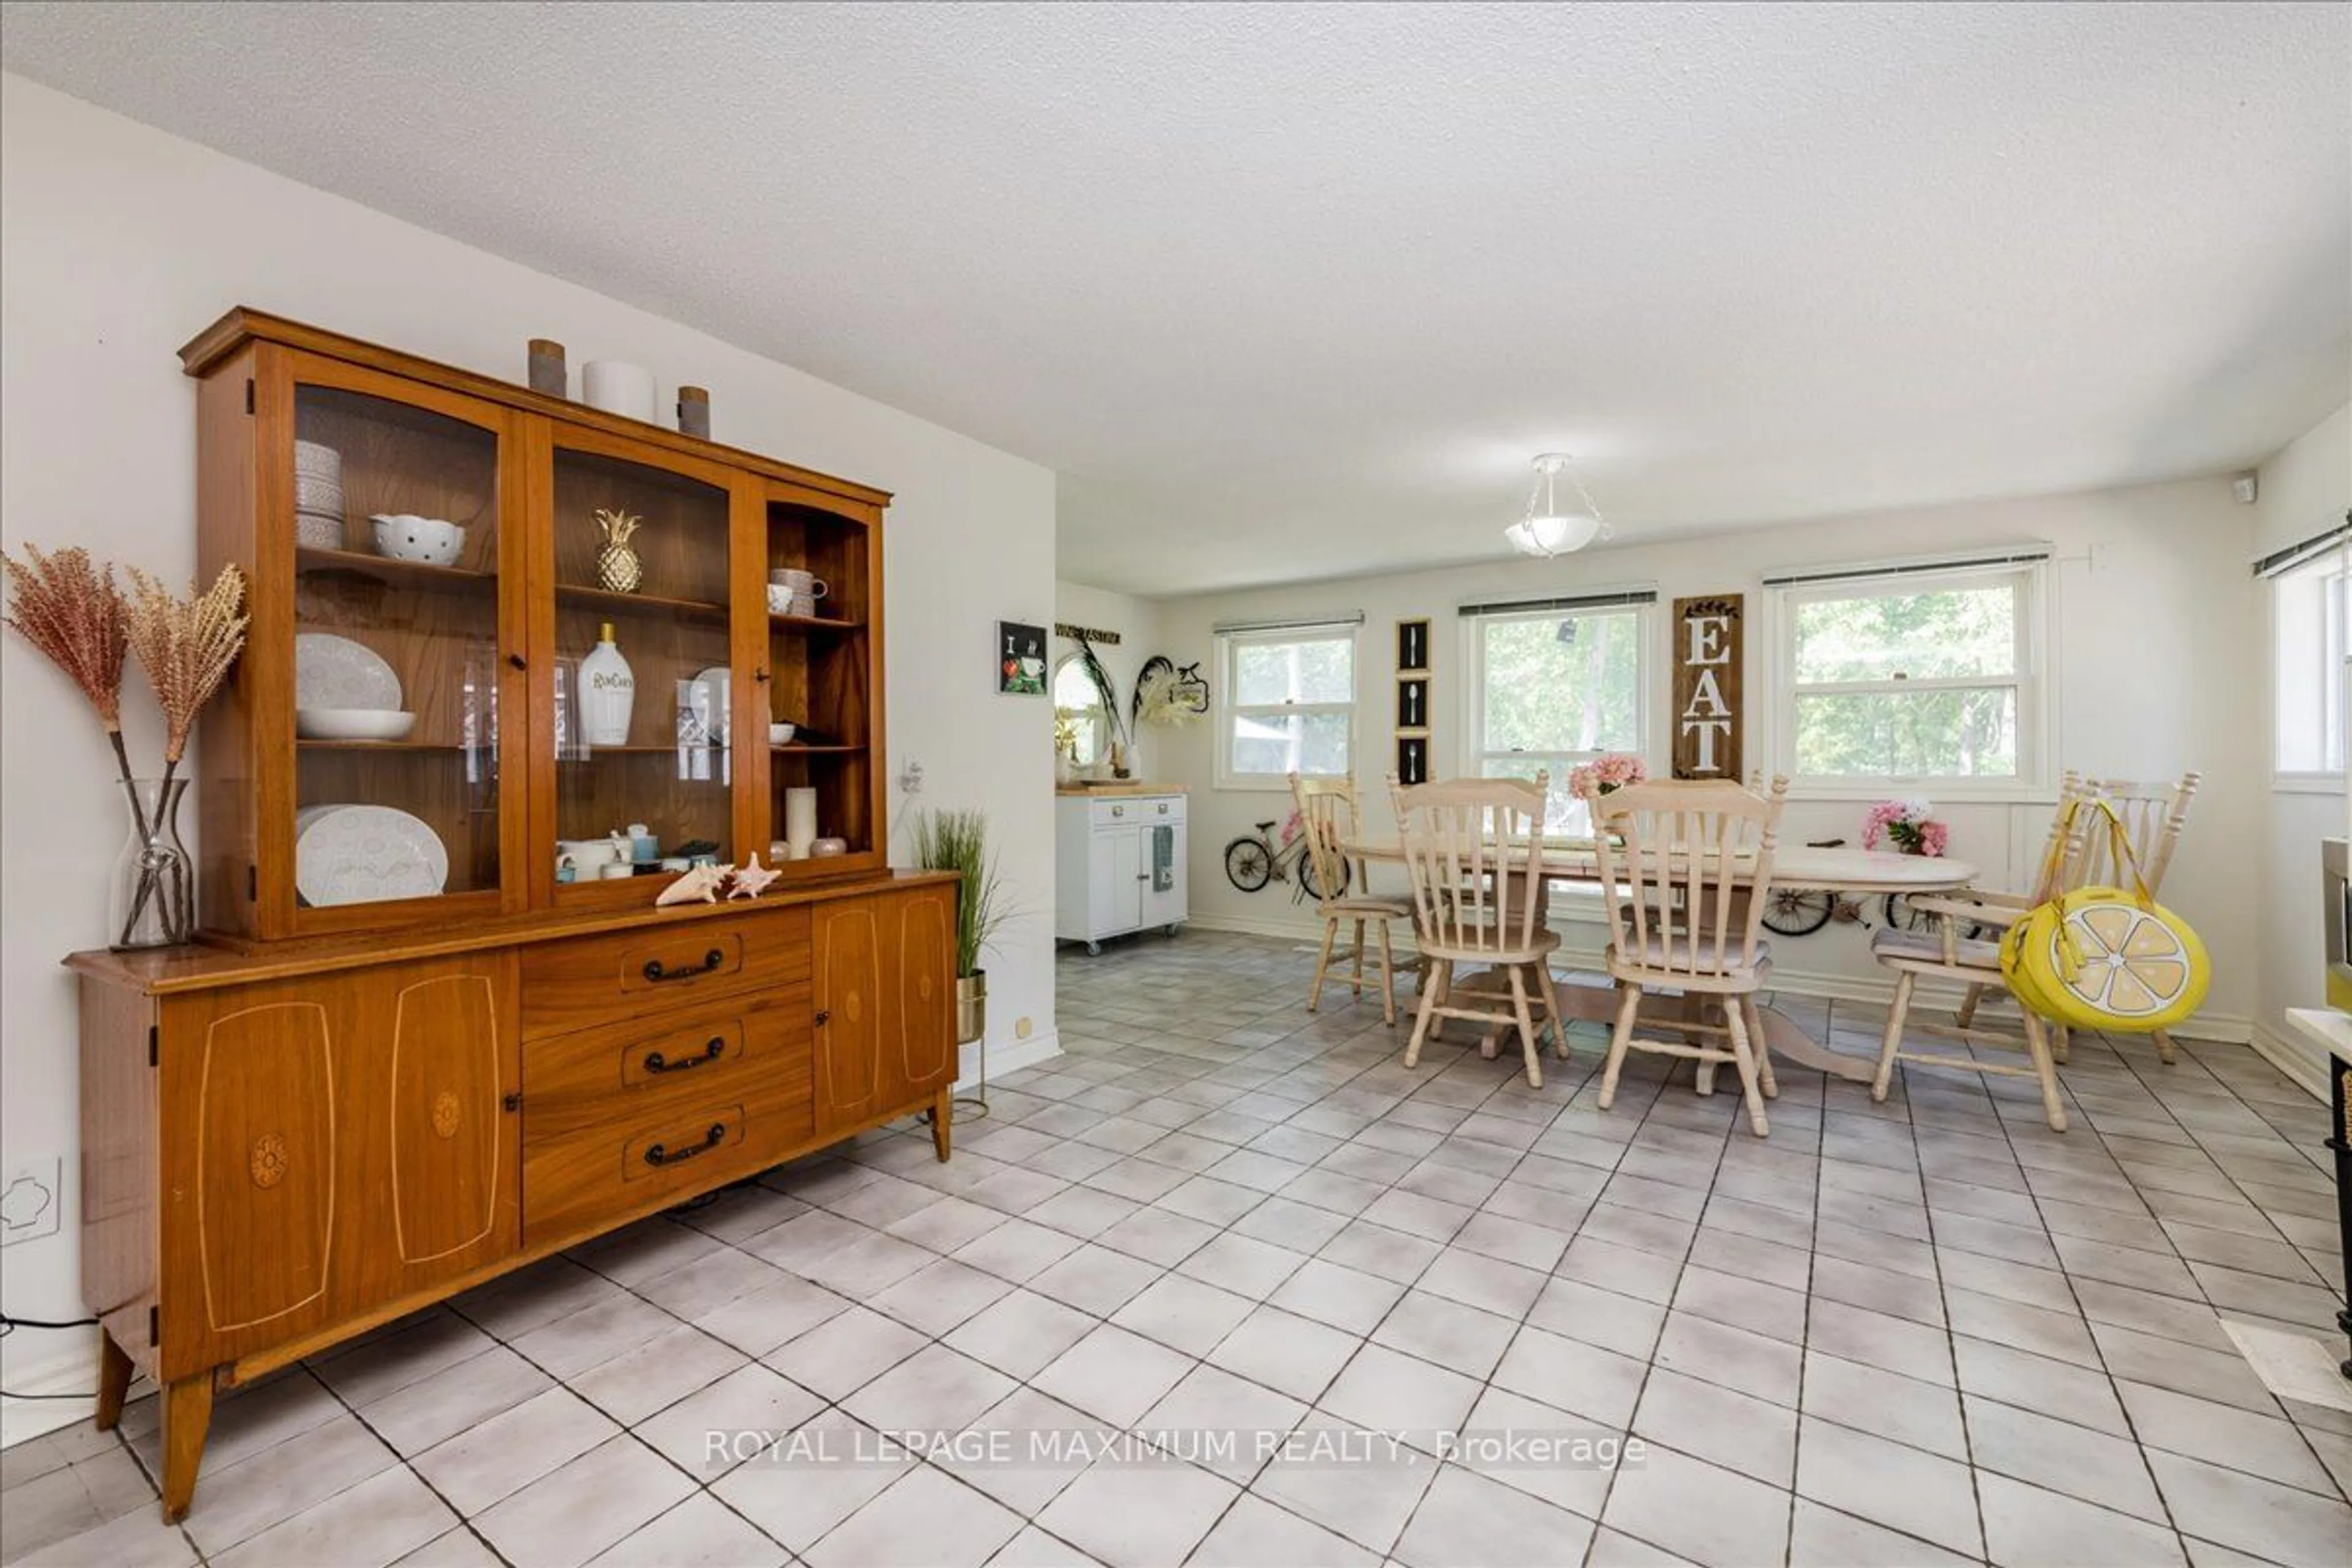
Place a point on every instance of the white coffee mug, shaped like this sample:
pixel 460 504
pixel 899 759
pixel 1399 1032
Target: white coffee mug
pixel 802 584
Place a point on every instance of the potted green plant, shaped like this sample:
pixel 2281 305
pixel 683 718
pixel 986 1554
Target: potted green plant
pixel 957 841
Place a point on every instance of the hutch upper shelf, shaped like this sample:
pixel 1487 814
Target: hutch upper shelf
pixel 509 654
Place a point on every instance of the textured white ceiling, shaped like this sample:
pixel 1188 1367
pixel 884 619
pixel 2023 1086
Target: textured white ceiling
pixel 1286 291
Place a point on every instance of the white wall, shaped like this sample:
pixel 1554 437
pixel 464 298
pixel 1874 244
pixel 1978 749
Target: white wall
pixel 2303 491
pixel 2154 657
pixel 117 244
pixel 1137 621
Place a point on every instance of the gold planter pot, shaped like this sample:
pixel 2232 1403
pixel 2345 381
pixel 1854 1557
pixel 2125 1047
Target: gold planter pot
pixel 971 1007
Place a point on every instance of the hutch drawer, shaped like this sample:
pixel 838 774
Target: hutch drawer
pixel 592 1077
pixel 599 979
pixel 627 1166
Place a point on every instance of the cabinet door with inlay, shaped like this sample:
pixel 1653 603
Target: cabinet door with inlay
pixel 847 936
pixel 252 1168
pixel 922 1015
pixel 432 1137
pixel 332 1143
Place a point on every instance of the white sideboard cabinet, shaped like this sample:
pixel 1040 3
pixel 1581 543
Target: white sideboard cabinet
pixel 1119 865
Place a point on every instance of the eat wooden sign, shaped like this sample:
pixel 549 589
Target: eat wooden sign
pixel 1706 686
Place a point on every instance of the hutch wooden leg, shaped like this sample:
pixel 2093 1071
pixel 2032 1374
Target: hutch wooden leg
pixel 187 1415
pixel 943 1120
pixel 113 1380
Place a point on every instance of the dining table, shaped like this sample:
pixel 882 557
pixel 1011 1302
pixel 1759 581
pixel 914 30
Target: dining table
pixel 1833 869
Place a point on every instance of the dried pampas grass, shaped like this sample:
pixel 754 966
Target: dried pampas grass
pixel 71 611
pixel 185 645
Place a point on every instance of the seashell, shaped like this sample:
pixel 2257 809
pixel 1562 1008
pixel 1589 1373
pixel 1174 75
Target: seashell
pixel 701 884
pixel 753 879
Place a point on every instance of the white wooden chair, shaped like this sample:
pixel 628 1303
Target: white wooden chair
pixel 1473 849
pixel 2153 816
pixel 1987 913
pixel 1326 815
pixel 1686 866
pixel 1961 946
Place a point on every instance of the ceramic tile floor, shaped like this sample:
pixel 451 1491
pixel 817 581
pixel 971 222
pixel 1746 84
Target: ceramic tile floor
pixel 1921 1333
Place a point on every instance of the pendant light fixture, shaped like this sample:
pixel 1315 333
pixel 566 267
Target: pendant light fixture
pixel 1551 527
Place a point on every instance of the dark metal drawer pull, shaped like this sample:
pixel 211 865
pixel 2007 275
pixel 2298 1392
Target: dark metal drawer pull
pixel 656 1062
pixel 657 974
pixel 660 1154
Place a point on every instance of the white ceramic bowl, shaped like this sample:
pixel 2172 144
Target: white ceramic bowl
pixel 314 494
pixel 353 724
pixel 428 540
pixel 780 733
pixel 319 530
pixel 315 460
pixel 589 855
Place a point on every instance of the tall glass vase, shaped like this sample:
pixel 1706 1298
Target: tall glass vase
pixel 153 899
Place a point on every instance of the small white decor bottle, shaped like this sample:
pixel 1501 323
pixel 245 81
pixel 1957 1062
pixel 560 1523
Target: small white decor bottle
pixel 608 692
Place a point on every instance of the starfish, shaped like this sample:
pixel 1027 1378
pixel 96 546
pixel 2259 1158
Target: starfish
pixel 702 883
pixel 753 878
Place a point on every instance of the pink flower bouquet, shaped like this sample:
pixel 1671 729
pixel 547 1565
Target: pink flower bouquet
pixel 1606 774
pixel 1905 825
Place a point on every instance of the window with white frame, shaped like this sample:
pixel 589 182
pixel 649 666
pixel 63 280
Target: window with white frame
pixel 1926 674
pixel 1287 701
pixel 2310 603
pixel 1553 683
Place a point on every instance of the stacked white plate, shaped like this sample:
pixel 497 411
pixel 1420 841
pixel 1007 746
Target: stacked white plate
pixel 364 854
pixel 318 496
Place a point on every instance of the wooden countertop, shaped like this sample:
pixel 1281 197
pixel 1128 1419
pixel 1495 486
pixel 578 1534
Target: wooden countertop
pixel 1124 786
pixel 204 965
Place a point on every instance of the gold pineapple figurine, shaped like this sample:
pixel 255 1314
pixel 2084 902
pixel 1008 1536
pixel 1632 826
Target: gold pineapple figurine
pixel 618 566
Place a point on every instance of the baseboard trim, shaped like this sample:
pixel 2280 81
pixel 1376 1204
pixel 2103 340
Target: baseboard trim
pixel 1005 1060
pixel 2303 1063
pixel 70 1373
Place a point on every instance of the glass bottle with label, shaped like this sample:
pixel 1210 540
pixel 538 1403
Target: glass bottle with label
pixel 608 693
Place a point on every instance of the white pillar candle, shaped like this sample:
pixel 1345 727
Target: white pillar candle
pixel 616 387
pixel 800 820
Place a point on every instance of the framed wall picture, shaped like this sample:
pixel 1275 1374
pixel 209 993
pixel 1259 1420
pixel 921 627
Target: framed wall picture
pixel 1019 658
pixel 1412 647
pixel 1707 670
pixel 1413 759
pixel 1413 702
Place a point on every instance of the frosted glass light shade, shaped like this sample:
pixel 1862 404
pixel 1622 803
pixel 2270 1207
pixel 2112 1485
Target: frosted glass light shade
pixel 1557 535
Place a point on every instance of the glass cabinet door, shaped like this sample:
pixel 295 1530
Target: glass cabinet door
pixel 639 673
pixel 821 703
pixel 400 658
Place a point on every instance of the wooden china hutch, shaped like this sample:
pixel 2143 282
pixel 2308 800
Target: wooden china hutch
pixel 426 1042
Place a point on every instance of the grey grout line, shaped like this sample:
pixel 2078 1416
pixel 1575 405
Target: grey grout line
pixel 2130 1426
pixel 1303 1061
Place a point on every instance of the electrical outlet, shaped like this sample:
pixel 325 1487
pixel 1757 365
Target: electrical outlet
pixel 911 780
pixel 29 1201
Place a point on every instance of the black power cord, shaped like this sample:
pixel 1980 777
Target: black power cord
pixel 9 1325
